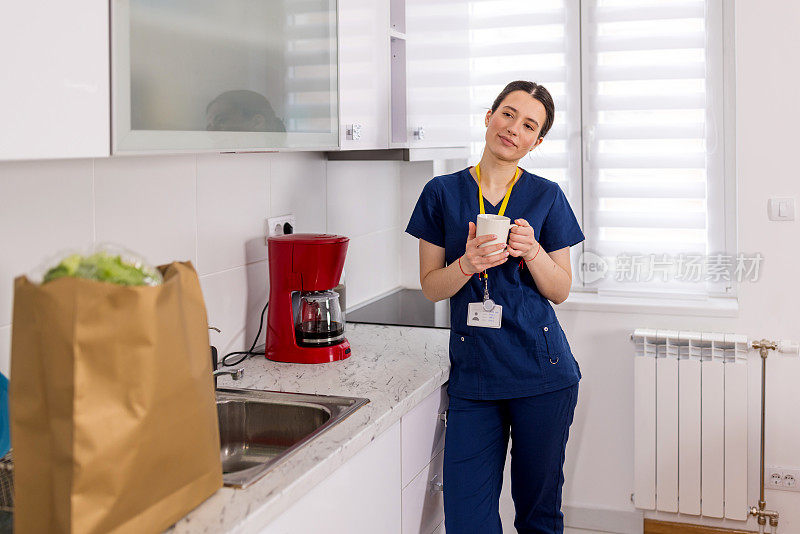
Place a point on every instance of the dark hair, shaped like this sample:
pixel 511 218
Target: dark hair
pixel 249 104
pixel 536 91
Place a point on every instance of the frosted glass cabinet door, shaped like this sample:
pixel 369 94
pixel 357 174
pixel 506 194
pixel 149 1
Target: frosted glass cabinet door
pixel 204 75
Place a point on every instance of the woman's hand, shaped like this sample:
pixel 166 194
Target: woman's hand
pixel 521 243
pixel 477 259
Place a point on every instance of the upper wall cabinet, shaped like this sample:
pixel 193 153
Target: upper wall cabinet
pixel 54 94
pixel 364 74
pixel 437 73
pixel 404 76
pixel 195 75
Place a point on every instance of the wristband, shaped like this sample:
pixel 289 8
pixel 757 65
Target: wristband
pixel 462 269
pixel 537 253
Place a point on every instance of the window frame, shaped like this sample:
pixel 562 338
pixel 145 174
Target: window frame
pixel 720 299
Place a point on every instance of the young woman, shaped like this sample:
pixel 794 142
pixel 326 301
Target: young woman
pixel 519 379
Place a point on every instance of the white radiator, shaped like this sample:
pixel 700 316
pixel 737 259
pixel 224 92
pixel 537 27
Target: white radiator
pixel 690 422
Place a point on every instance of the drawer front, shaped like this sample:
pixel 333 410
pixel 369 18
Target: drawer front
pixel 422 433
pixel 423 502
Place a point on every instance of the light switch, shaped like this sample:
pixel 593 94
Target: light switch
pixel 781 209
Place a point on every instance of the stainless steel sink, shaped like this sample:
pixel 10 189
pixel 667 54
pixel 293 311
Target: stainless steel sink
pixel 259 429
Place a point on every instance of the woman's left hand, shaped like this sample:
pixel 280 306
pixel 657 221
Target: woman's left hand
pixel 521 242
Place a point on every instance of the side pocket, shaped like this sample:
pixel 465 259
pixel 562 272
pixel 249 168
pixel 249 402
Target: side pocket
pixel 462 356
pixel 555 339
pixel 557 359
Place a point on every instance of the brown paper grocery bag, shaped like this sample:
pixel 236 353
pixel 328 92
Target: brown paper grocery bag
pixel 114 422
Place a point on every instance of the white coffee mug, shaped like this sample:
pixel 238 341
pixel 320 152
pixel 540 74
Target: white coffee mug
pixel 498 225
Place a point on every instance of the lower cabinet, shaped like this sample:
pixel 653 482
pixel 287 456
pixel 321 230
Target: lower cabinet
pixel 360 497
pixel 423 503
pixel 423 435
pixel 507 512
pixel 392 486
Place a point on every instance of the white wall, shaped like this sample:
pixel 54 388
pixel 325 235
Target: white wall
pixel 209 209
pixel 363 204
pixel 414 176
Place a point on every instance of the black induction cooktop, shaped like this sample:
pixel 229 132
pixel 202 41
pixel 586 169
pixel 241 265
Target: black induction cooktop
pixel 404 307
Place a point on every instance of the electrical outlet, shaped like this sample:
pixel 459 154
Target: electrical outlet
pixel 783 478
pixel 774 478
pixel 277 225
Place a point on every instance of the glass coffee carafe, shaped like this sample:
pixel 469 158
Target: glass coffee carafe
pixel 318 319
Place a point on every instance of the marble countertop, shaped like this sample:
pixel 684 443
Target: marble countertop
pixel 395 367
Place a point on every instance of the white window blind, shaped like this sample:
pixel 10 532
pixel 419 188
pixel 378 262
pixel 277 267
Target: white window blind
pixel 653 163
pixel 637 143
pixel 536 41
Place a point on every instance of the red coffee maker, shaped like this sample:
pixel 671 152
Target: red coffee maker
pixel 304 321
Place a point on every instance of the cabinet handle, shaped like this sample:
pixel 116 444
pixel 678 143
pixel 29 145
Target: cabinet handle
pixel 436 486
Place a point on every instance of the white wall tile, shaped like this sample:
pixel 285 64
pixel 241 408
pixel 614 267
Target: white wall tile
pixel 234 299
pixel 372 265
pixel 413 179
pixel 5 350
pixel 297 185
pixel 409 260
pixel 257 294
pixel 363 196
pixel 209 209
pixel 148 205
pixel 45 208
pixel 225 294
pixel 232 205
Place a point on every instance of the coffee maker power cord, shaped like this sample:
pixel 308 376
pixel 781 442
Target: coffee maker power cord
pixel 247 353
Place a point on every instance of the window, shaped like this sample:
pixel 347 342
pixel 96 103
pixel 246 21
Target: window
pixel 639 139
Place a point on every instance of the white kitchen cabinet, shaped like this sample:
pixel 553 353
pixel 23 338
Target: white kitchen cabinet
pixel 409 73
pixel 370 493
pixel 437 73
pixel 361 497
pixel 191 76
pixel 423 500
pixel 363 74
pixel 54 99
pixel 507 510
pixel 423 433
pixel 423 436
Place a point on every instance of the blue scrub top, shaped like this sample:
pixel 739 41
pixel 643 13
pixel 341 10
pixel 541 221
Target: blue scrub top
pixel 529 354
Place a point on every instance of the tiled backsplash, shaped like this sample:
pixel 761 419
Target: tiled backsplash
pixel 209 209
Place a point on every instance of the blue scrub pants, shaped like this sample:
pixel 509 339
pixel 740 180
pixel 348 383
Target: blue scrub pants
pixel 475 452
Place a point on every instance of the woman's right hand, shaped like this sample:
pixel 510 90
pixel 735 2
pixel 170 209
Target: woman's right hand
pixel 477 259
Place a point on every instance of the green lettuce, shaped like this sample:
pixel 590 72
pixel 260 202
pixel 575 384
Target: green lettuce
pixel 103 267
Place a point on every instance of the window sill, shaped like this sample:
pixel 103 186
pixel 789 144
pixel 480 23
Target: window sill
pixel 709 307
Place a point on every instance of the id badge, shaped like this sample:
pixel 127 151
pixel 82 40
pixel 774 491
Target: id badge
pixel 477 315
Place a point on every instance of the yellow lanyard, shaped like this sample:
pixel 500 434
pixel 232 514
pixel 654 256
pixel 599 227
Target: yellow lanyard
pixel 502 211
pixel 508 193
